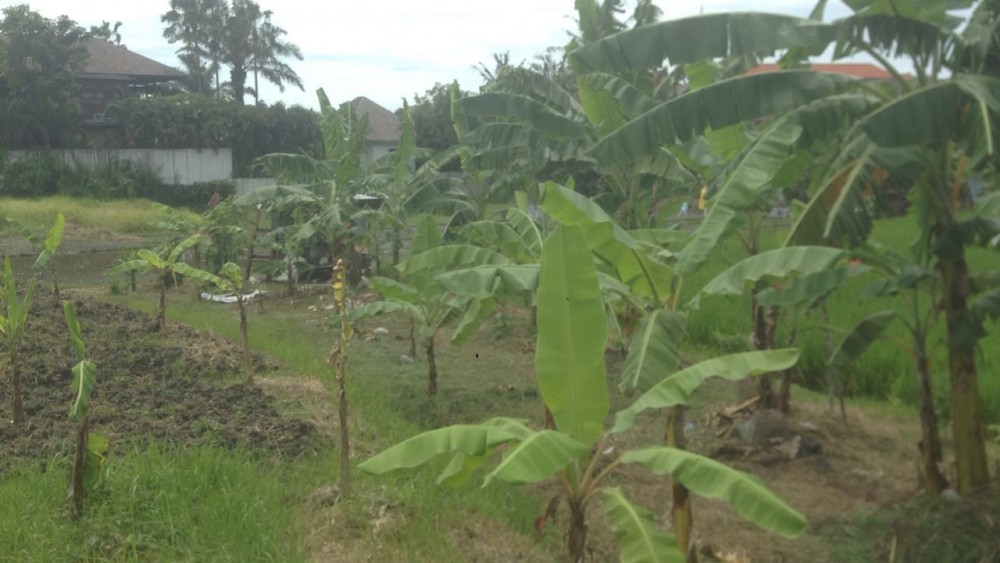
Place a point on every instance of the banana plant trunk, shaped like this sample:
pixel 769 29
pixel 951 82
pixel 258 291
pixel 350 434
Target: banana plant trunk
pixel 79 466
pixel 161 311
pixel 18 400
pixel 576 541
pixel 413 339
pixel 764 321
pixel 930 442
pixel 785 392
pixel 683 519
pixel 432 374
pixel 967 423
pixel 345 438
pixel 245 336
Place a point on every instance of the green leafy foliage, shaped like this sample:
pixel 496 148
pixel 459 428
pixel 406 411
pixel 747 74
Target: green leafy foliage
pixel 859 338
pixel 639 539
pixel 609 241
pixel 677 388
pixel 569 361
pixel 654 349
pixel 773 264
pixel 709 478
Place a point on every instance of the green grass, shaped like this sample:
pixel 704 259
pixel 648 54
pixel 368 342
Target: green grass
pixel 203 504
pixel 133 216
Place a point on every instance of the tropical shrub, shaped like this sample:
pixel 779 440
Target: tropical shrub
pixel 569 365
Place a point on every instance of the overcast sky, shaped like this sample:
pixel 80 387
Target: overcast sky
pixel 389 49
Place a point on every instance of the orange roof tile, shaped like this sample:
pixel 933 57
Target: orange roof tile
pixel 864 71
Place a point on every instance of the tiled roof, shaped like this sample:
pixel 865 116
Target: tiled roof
pixel 864 71
pixel 109 59
pixel 383 125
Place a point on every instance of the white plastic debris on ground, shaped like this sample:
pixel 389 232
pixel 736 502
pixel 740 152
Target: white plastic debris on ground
pixel 230 297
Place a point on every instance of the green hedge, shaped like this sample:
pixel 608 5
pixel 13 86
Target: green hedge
pixel 45 174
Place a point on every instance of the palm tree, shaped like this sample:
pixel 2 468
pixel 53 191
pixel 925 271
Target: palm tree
pixel 197 25
pixel 267 47
pixel 251 43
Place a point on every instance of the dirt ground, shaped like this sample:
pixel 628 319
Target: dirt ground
pixel 178 388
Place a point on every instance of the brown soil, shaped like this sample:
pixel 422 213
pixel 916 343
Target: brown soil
pixel 174 387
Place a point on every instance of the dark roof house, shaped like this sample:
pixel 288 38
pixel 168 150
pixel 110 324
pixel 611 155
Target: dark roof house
pixel 112 72
pixel 384 127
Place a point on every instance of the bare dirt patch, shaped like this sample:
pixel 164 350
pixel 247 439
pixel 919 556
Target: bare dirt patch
pixel 178 388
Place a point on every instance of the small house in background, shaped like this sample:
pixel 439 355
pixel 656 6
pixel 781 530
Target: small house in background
pixel 112 73
pixel 384 128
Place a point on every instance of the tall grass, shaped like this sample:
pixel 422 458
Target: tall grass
pixel 205 504
pixel 129 216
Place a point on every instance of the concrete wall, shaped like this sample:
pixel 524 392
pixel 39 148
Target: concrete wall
pixel 174 166
pixel 247 185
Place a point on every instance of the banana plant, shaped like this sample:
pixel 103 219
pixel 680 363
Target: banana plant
pixel 90 448
pixel 229 280
pixel 165 263
pixel 578 452
pixel 428 303
pixel 12 326
pixel 338 356
pixel 916 285
pixel 49 246
pixel 954 135
pixel 780 278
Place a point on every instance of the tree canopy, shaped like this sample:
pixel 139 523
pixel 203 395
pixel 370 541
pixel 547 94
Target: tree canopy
pixel 240 36
pixel 38 57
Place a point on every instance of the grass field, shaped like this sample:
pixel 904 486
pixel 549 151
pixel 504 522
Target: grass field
pixel 88 217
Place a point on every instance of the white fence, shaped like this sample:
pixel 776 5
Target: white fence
pixel 174 166
pixel 247 185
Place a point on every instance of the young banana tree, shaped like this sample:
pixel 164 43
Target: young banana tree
pixel 428 303
pixel 90 448
pixel 165 263
pixel 229 280
pixel 338 356
pixel 49 246
pixel 569 365
pixel 13 320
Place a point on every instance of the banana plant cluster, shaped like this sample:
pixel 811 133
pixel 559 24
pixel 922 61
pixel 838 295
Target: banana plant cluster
pixel 13 320
pixel 578 452
pixel 858 135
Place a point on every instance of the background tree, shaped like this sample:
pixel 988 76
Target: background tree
pixel 267 47
pixel 431 113
pixel 38 57
pixel 240 36
pixel 197 25
pixel 107 32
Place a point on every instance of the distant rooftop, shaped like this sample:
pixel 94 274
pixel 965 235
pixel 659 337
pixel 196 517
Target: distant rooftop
pixel 107 59
pixel 864 71
pixel 383 125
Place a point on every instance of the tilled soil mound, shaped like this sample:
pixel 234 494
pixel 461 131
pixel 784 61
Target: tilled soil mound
pixel 172 387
